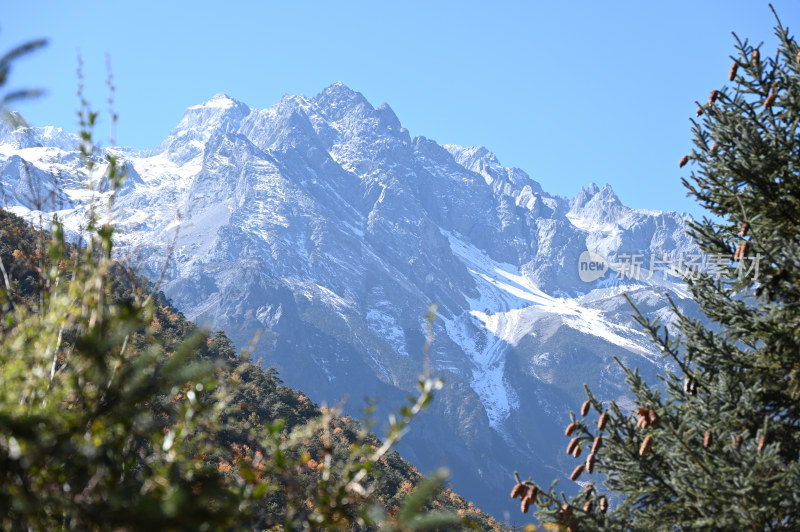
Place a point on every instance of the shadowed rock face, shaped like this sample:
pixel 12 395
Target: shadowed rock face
pixel 321 225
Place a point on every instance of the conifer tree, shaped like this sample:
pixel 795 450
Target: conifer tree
pixel 715 446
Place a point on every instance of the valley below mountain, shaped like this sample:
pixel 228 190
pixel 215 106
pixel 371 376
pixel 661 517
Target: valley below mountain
pixel 322 230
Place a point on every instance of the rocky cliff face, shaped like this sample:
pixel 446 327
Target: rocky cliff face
pixel 321 225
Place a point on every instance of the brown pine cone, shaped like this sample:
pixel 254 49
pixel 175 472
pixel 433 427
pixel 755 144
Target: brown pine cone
pixel 601 423
pixel 572 444
pixel 745 228
pixel 652 418
pixel 770 101
pixel 590 462
pixel 732 73
pixel 519 490
pixel 598 442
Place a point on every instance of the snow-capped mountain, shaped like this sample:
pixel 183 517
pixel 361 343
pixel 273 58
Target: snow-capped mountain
pixel 322 225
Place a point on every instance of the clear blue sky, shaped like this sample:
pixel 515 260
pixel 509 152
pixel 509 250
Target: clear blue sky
pixel 571 92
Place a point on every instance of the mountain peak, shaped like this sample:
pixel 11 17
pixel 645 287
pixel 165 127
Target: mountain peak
pixel 607 194
pixel 220 113
pixel 473 158
pixel 595 193
pixel 339 88
pixel 339 96
pixel 218 101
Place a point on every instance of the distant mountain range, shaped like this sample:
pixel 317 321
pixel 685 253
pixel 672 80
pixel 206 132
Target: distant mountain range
pixel 322 225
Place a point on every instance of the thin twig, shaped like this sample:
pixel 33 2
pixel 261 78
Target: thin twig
pixel 5 277
pixel 55 353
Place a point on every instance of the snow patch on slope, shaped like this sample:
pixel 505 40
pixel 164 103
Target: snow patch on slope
pixel 508 307
pixel 386 327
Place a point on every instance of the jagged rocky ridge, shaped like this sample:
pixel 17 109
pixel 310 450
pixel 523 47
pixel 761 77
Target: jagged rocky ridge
pixel 322 225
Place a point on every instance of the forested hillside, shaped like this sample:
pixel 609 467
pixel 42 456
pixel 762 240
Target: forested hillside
pixel 186 433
